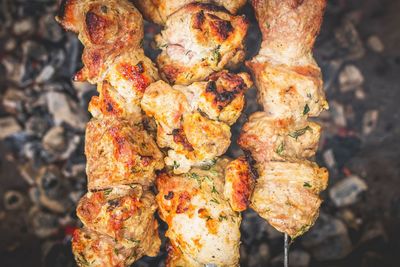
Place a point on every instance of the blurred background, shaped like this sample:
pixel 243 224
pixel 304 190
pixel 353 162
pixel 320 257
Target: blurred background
pixel 43 116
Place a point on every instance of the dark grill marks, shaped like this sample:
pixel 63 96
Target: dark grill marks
pixel 96 26
pixel 198 20
pixel 221 27
pixel 180 138
pixel 230 86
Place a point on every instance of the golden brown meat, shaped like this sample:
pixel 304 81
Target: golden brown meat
pixel 288 27
pixel 193 121
pixel 126 214
pixel 97 250
pixel 288 79
pixel 287 195
pixel 126 79
pixel 269 139
pixel 290 90
pixel 198 40
pixel 239 184
pixel 159 10
pixel 119 153
pixel 106 28
pixel 287 91
pixel 202 226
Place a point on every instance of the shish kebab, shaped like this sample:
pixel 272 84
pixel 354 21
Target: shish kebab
pixel 200 197
pixel 104 101
pixel 122 157
pixel 281 138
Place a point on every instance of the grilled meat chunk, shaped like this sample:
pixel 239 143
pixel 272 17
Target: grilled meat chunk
pixel 198 40
pixel 158 11
pixel 202 226
pixel 118 153
pixel 287 195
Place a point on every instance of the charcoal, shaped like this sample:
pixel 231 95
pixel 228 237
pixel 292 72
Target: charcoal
pixel 260 255
pixel 350 78
pixel 9 126
pixel 37 125
pixel 24 27
pixel 347 191
pixel 375 44
pixel 54 190
pixel 297 258
pixel 370 121
pixel 9 45
pixel 328 239
pixel 65 110
pixel 49 28
pixel 13 200
pixel 13 100
pixel 44 224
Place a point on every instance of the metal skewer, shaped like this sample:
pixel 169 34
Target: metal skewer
pixel 286 251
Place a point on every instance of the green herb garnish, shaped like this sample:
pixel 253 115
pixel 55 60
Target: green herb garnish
pixel 176 165
pixel 306 109
pixel 108 191
pixel 222 217
pixel 280 149
pixel 300 132
pixel 306 184
pixel 214 190
pixel 214 200
pixel 216 56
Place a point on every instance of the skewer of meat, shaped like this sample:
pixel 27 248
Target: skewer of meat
pixel 281 139
pixel 200 195
pixel 118 211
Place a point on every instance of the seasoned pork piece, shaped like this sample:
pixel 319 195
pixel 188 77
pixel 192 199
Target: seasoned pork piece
pixel 202 226
pixel 158 11
pixel 193 121
pixel 119 153
pixel 126 80
pixel 126 214
pixel 198 40
pixel 286 194
pixel 106 28
pixel 287 77
pixel 97 250
pixel 269 139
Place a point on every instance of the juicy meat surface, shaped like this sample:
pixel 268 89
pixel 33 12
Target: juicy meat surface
pixel 239 184
pixel 125 213
pixel 158 11
pixel 287 195
pixel 269 139
pixel 193 121
pixel 202 226
pixel 280 138
pixel 287 91
pixel 106 28
pixel 287 77
pixel 198 40
pixel 124 84
pixel 119 153
pixel 288 27
pixel 97 250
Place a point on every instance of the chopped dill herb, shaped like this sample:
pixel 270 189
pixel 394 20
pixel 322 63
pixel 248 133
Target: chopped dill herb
pixel 108 191
pixel 300 132
pixel 214 200
pixel 176 165
pixel 214 190
pixel 280 149
pixel 306 109
pixel 222 217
